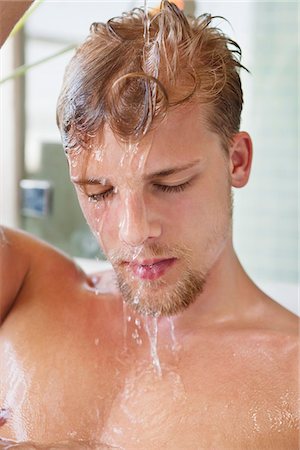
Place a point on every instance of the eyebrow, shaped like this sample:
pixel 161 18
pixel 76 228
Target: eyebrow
pixel 159 174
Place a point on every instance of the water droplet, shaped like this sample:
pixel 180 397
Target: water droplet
pixel 74 162
pixel 98 155
pixel 136 300
pixel 135 334
pixel 72 434
pixel 94 280
pixel 4 415
pixel 97 341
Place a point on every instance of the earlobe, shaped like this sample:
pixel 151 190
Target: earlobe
pixel 240 159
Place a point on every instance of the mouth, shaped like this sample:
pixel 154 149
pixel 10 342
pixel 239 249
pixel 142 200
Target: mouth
pixel 151 269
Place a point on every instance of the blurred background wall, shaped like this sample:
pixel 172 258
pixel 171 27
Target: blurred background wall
pixel 265 217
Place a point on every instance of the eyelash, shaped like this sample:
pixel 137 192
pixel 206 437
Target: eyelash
pixel 171 189
pixel 102 196
pixel 160 187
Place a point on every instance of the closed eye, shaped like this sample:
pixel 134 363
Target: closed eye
pixel 172 189
pixel 101 196
pixel 160 187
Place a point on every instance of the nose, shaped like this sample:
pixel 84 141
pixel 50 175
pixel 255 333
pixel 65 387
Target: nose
pixel 135 225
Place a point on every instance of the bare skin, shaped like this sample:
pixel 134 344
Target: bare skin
pixel 10 12
pixel 68 374
pixel 230 384
pixel 76 369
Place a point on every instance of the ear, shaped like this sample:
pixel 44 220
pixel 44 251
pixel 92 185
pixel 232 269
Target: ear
pixel 240 154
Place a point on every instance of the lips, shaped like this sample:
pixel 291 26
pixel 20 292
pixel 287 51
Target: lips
pixel 151 269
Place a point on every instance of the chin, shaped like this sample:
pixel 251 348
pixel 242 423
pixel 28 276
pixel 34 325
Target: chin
pixel 159 298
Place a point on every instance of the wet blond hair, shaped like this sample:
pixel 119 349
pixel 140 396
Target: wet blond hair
pixel 132 69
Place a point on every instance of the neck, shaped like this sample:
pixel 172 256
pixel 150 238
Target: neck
pixel 226 297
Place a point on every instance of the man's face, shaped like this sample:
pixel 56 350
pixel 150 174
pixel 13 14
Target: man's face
pixel 161 209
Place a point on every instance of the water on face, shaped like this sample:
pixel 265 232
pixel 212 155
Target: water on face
pixel 134 161
pixel 132 167
pixel 98 154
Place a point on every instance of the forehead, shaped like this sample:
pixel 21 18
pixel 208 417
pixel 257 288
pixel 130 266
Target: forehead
pixel 182 136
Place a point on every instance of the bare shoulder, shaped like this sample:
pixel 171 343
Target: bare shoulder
pixel 30 266
pixel 274 317
pixel 278 339
pixel 41 256
pixel 269 334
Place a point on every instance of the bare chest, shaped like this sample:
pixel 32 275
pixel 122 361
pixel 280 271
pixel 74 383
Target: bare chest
pixel 85 389
pixel 128 405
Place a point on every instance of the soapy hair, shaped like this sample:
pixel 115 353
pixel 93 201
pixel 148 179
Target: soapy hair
pixel 131 70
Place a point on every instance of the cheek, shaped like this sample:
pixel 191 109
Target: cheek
pixel 97 217
pixel 204 213
pixel 94 213
pixel 87 208
pixel 103 219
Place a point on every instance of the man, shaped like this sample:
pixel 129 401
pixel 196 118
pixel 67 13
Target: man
pixel 190 354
